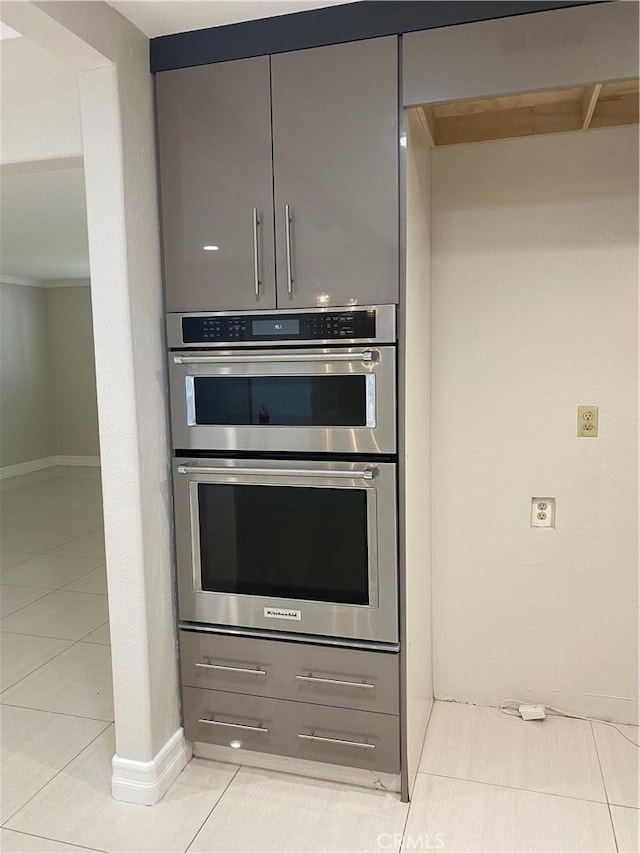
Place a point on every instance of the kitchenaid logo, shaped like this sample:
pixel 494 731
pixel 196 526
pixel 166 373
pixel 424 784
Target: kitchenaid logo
pixel 277 613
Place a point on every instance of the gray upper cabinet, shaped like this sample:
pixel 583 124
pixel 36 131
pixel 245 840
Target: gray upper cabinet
pixel 216 183
pixel 305 143
pixel 335 150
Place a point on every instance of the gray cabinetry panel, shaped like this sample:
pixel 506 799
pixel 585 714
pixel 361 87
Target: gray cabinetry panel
pixel 335 141
pixel 325 675
pixel 298 729
pixel 214 137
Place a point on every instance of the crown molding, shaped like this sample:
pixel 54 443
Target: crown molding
pixel 46 284
pixel 20 280
pixel 31 167
pixel 52 283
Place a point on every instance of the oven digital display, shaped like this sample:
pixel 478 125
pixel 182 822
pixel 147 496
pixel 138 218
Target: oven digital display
pixel 261 328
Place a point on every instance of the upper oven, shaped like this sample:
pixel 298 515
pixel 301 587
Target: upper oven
pixel 283 397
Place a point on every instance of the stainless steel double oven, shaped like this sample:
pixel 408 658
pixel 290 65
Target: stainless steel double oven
pixel 284 436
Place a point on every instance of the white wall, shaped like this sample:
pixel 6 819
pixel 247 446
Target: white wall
pixel 415 318
pixel 43 227
pixel 25 400
pixel 40 105
pixel 72 371
pixel 47 381
pixel 535 289
pixel 118 139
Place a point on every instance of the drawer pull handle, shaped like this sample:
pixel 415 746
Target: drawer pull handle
pixel 358 743
pixel 242 726
pixel 221 667
pixel 365 684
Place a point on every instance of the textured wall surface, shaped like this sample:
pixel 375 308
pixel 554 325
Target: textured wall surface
pixel 118 141
pixel 48 381
pixel 25 400
pixel 72 370
pixel 415 319
pixel 40 104
pixel 535 289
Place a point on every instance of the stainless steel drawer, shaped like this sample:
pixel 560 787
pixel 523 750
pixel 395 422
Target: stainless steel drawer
pixel 324 675
pixel 237 664
pixel 297 729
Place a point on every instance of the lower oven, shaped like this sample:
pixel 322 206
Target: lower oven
pixel 293 546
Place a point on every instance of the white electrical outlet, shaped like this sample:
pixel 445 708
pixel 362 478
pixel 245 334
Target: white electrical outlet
pixel 543 512
pixel 587 421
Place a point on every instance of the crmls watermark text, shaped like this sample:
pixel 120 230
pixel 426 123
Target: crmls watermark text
pixel 423 841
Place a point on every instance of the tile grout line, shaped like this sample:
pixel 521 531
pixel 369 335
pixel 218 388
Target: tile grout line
pixel 73 643
pixel 55 589
pixel 48 592
pixel 62 639
pixel 62 557
pixel 22 607
pixel 513 788
pixel 213 807
pixel 604 785
pixel 59 545
pixel 415 781
pixel 406 820
pixel 44 663
pixel 35 794
pixel 83 591
pixel 60 713
pixel 47 838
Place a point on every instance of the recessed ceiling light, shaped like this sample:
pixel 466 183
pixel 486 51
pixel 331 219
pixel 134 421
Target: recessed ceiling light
pixel 210 248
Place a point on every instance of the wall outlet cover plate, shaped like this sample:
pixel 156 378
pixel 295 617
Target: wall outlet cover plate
pixel 543 512
pixel 587 421
pixel 532 712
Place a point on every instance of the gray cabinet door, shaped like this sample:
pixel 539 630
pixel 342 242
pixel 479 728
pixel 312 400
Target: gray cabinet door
pixel 214 138
pixel 335 143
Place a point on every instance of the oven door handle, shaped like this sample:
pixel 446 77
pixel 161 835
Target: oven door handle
pixel 279 358
pixel 359 474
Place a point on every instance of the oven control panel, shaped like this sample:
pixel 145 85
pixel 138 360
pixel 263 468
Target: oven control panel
pixel 340 325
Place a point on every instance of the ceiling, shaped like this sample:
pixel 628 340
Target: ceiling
pixel 161 17
pixel 43 219
pixel 43 224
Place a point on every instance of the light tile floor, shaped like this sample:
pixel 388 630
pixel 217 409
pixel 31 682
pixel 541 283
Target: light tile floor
pixel 487 781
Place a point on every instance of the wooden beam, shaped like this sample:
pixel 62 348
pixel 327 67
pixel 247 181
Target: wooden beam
pixel 616 111
pixel 508 102
pixel 509 124
pixel 589 104
pixel 425 114
pixel 620 88
pixel 531 113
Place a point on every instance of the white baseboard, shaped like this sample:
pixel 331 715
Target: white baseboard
pixel 47 462
pixel 146 782
pixel 27 467
pixel 88 461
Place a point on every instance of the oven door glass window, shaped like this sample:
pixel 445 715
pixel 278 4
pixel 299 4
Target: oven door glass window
pixel 293 542
pixel 303 401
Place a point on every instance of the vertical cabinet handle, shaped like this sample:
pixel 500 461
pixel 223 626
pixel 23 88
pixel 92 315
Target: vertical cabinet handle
pixel 287 240
pixel 256 252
